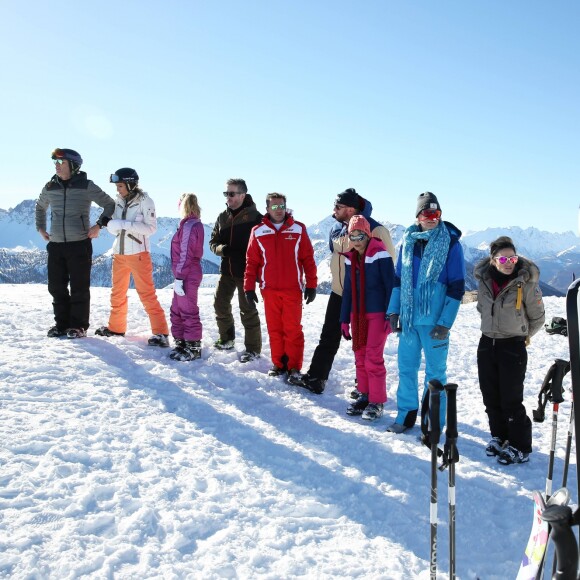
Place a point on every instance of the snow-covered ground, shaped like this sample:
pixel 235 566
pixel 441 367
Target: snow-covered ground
pixel 116 462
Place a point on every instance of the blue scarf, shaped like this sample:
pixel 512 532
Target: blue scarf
pixel 432 262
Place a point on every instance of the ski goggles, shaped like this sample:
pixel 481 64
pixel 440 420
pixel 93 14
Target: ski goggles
pixel 114 178
pixel 505 259
pixel 278 206
pixel 356 237
pixel 232 193
pixel 58 155
pixel 430 214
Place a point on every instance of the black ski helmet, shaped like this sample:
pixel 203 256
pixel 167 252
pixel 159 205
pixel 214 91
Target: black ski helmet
pixel 126 175
pixel 74 158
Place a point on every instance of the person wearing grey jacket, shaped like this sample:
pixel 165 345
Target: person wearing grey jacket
pixel 69 195
pixel 510 302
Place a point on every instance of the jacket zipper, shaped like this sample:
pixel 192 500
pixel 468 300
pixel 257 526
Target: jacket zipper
pixel 231 238
pixel 64 213
pixel 122 238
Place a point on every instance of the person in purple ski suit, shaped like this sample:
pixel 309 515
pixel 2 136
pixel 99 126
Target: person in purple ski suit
pixel 186 254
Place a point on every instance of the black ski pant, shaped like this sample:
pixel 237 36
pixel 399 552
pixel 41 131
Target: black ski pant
pixel 329 342
pixel 501 365
pixel 69 264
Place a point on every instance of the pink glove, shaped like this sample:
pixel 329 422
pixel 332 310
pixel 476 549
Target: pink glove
pixel 345 330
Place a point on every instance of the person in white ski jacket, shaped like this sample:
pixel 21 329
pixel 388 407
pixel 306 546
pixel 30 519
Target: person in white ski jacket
pixel 133 222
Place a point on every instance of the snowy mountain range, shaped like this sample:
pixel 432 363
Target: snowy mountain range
pixel 23 259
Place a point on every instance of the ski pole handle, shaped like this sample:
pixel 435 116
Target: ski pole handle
pixel 435 388
pixel 451 390
pixel 560 519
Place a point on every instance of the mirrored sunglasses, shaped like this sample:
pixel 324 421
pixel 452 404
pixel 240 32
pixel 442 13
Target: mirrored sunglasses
pixel 59 161
pixel 430 214
pixel 506 259
pixel 278 206
pixel 356 237
pixel 231 193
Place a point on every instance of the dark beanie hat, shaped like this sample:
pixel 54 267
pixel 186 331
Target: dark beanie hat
pixel 425 201
pixel 350 198
pixel 501 243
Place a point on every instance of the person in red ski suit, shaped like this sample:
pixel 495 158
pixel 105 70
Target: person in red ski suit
pixel 279 257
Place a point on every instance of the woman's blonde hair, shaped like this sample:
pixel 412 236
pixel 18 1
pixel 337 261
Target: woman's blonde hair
pixel 188 205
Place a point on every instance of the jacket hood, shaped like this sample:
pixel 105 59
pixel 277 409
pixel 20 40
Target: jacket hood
pixel 367 209
pixel 136 195
pixel 79 178
pixel 375 245
pixel 187 219
pixel 526 270
pixel 454 231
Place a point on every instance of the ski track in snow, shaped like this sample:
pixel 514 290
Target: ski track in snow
pixel 116 462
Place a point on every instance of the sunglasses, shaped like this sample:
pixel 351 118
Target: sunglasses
pixel 278 206
pixel 430 214
pixel 231 193
pixel 356 237
pixel 338 206
pixel 59 161
pixel 506 259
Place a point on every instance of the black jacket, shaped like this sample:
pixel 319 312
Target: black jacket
pixel 230 236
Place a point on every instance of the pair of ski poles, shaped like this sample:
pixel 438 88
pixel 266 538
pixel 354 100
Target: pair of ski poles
pixel 553 390
pixel 561 517
pixel 450 456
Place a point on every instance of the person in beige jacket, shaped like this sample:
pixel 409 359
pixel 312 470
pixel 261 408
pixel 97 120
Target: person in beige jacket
pixel 510 302
pixel 347 204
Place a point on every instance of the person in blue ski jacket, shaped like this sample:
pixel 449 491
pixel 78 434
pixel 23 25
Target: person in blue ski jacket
pixel 429 286
pixel 347 204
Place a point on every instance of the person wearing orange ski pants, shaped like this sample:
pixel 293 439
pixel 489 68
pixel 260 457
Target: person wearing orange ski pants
pixel 141 267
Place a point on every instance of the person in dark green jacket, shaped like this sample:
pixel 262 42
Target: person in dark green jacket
pixel 229 240
pixel 69 195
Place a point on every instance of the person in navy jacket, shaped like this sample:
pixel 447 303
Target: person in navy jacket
pixel 368 283
pixel 429 286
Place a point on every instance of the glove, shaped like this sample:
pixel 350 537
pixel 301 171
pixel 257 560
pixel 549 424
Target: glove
pixel 309 295
pixel 225 250
pixel 395 323
pixel 251 299
pixel 439 332
pixel 115 226
pixel 178 287
pixel 345 330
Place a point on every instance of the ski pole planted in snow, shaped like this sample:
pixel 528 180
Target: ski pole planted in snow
pixel 568 446
pixel 434 434
pixel 450 458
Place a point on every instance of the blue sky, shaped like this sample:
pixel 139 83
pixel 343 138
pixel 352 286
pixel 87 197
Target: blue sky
pixel 475 101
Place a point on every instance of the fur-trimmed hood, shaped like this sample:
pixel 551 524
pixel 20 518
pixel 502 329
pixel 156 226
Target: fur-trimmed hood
pixel 526 271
